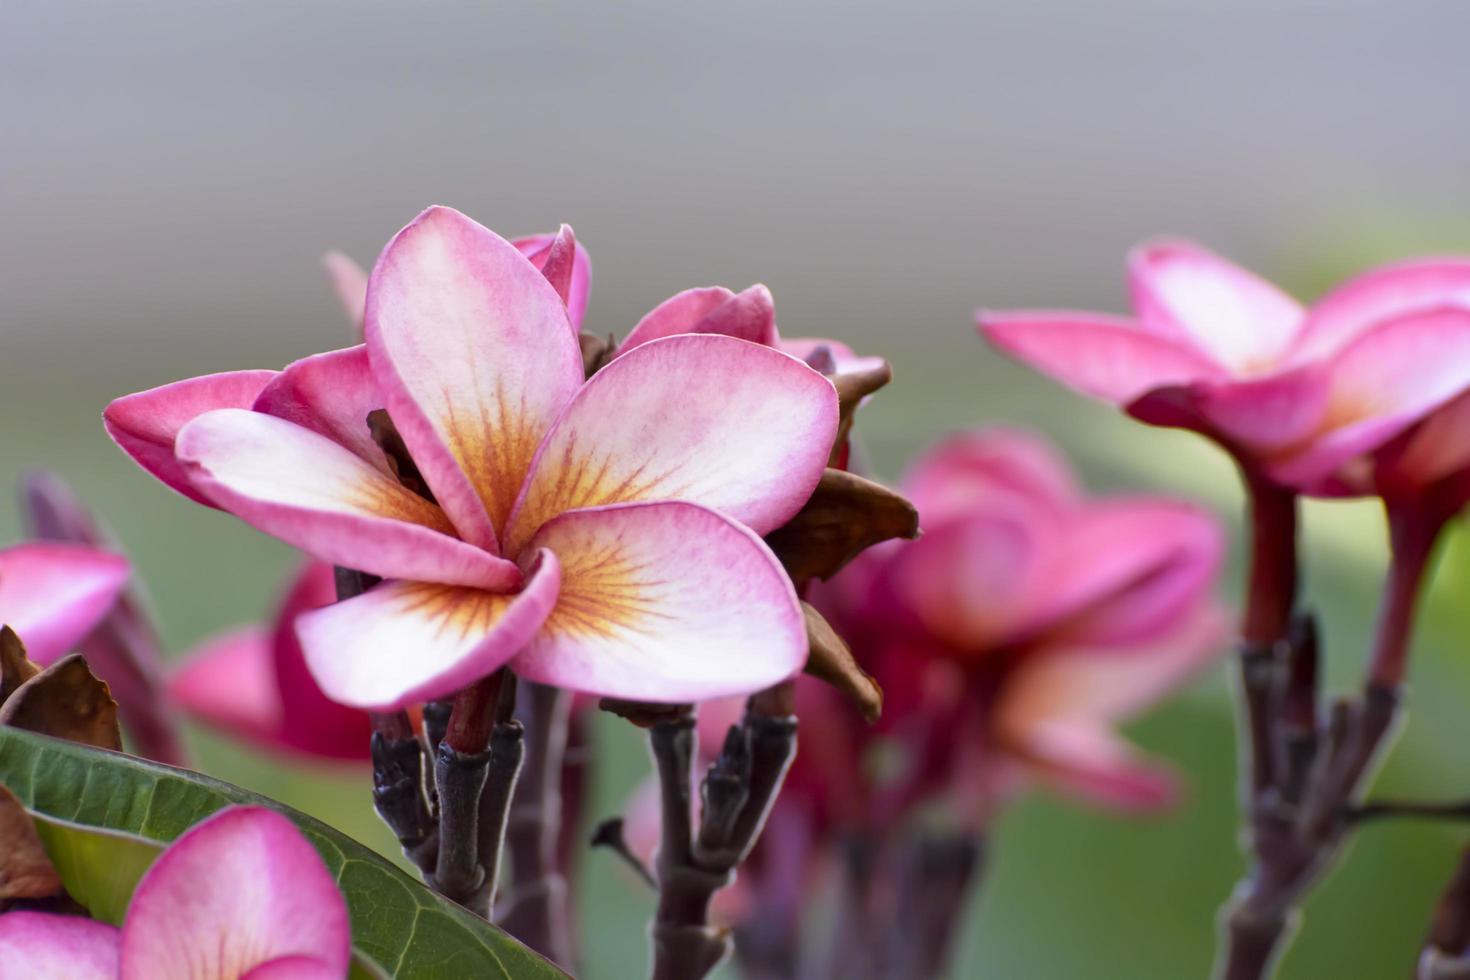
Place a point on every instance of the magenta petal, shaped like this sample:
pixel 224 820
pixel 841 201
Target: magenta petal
pixel 294 968
pixel 1266 413
pixel 1132 569
pixel 1242 321
pixel 678 314
pixel 330 394
pixel 39 946
pixel 711 420
pixel 1385 293
pixel 230 684
pixel 972 580
pixel 312 493
pixel 664 602
pixel 53 594
pixel 145 424
pixel 355 649
pixel 747 315
pixel 1057 708
pixel 969 471
pixel 542 251
pixel 470 346
pixel 1127 566
pixel 1383 382
pixel 236 892
pixel 314 723
pixel 349 282
pixel 1105 357
pixel 1439 447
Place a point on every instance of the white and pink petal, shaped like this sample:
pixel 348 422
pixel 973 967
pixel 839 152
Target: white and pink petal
pixel 313 493
pixel 146 424
pixel 52 594
pixel 664 602
pixel 1105 357
pixel 42 946
pixel 711 420
pixel 401 643
pixel 241 890
pixel 1241 321
pixel 471 347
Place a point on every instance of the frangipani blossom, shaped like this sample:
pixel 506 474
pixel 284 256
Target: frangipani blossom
pixel 253 682
pixel 241 894
pixel 602 537
pixel 53 594
pixel 1293 391
pixel 1028 621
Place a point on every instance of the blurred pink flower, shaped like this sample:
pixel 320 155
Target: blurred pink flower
pixel 561 512
pixel 53 594
pixel 240 894
pixel 253 682
pixel 1295 392
pixel 1026 623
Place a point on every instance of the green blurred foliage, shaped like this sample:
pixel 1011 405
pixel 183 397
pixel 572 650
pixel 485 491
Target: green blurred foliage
pixel 1071 892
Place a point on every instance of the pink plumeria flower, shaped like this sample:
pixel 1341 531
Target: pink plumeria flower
pixel 1029 620
pixel 53 594
pixel 559 256
pixel 601 537
pixel 253 682
pixel 1292 391
pixel 241 894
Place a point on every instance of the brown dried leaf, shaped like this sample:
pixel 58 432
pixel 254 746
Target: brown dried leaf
pixel 831 662
pixel 596 352
pixel 15 667
pixel 385 434
pixel 644 714
pixel 25 870
pixel 845 515
pixel 852 387
pixel 66 700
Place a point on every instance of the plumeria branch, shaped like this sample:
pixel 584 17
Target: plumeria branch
pixel 737 794
pixel 535 906
pixel 1305 776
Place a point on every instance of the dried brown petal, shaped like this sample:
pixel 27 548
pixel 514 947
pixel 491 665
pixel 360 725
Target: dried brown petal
pixel 596 352
pixel 644 714
pixel 25 870
pixel 831 662
pixel 852 387
pixel 846 514
pixel 15 667
pixel 386 435
pixel 66 700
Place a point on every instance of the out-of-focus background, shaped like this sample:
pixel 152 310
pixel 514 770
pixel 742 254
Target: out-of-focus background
pixel 172 171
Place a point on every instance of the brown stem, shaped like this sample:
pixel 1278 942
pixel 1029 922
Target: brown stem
pixel 738 792
pixel 1272 586
pixel 475 771
pixel 1412 541
pixel 398 787
pixel 536 909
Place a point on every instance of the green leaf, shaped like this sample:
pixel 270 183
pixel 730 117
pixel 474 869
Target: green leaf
pixel 100 868
pixel 400 928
